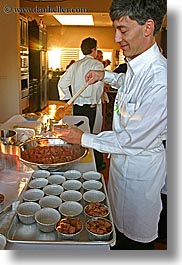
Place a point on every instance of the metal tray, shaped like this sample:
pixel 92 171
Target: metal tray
pixel 12 184
pixel 30 234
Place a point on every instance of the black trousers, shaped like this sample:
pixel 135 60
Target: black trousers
pixel 124 243
pixel 162 226
pixel 89 112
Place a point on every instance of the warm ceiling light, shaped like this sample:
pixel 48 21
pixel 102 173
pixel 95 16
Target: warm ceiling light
pixel 77 20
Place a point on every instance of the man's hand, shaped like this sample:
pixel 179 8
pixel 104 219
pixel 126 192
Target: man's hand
pixel 70 135
pixel 94 76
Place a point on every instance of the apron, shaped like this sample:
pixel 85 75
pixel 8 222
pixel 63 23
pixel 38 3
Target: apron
pixel 98 119
pixel 134 188
pixel 135 182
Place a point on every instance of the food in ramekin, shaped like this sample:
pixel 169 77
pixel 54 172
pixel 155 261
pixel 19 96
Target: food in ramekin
pixel 99 226
pixel 69 225
pixel 96 209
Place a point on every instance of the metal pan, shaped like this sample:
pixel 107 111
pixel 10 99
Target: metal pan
pixel 51 142
pixel 30 234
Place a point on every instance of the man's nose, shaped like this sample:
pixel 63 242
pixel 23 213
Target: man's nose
pixel 118 36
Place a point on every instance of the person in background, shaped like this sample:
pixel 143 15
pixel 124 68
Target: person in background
pixel 99 120
pixel 121 68
pixel 70 63
pixel 87 103
pixel 68 94
pixel 138 158
pixel 107 65
pixel 99 56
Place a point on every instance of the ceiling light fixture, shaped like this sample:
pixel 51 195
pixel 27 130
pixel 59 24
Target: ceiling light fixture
pixel 75 20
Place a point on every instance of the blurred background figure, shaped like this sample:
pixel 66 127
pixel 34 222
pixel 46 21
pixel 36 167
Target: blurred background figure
pixel 89 103
pixel 122 67
pixel 99 56
pixel 71 62
pixel 107 65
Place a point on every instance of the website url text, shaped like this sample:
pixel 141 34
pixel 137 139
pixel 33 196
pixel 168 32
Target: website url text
pixel 47 9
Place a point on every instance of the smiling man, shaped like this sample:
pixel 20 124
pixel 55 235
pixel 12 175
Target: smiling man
pixel 138 158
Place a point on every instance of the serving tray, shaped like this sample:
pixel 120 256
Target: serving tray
pixel 30 234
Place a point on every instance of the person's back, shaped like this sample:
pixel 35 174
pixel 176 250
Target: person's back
pixel 76 74
pixel 88 103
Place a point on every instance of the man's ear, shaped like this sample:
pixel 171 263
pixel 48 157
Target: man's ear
pixel 149 27
pixel 93 49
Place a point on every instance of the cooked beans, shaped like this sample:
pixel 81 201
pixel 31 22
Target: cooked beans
pixel 50 154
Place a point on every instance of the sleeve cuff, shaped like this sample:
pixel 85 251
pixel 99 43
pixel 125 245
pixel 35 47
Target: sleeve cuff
pixel 87 140
pixel 108 77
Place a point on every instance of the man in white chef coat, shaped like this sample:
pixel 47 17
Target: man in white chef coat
pixel 138 159
pixel 88 103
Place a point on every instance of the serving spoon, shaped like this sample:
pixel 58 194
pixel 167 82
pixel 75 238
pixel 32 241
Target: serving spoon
pixel 60 112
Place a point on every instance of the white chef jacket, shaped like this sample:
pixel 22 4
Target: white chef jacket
pixel 75 76
pixel 138 162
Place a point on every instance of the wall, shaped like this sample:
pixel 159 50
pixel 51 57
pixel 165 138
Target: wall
pixel 71 37
pixel 9 63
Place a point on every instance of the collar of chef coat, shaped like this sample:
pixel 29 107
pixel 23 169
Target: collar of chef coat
pixel 89 56
pixel 147 57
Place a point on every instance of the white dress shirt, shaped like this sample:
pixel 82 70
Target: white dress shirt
pixel 75 76
pixel 138 164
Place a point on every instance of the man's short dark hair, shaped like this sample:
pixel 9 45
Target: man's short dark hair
pixel 99 51
pixel 140 10
pixel 87 45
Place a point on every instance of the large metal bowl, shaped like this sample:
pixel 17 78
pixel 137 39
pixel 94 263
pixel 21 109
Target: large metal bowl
pixel 51 142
